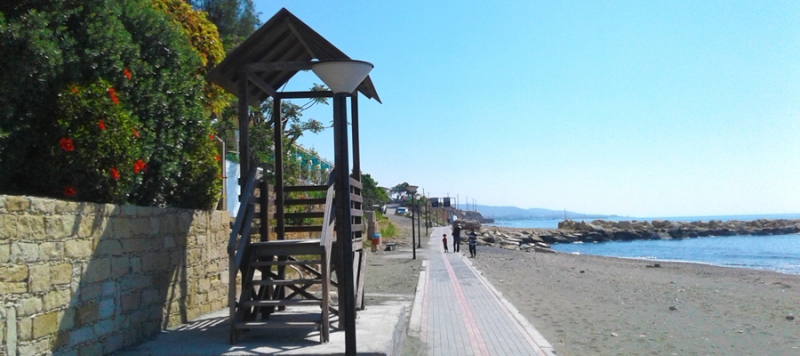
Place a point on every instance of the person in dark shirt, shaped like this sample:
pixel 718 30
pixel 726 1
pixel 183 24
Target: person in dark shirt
pixel 444 242
pixel 473 243
pixel 456 238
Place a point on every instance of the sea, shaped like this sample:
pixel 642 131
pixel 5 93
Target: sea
pixel 779 253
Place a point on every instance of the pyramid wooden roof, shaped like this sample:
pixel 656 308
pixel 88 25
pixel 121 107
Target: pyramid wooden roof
pixel 284 45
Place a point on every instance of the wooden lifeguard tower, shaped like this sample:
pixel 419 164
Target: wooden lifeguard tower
pixel 260 250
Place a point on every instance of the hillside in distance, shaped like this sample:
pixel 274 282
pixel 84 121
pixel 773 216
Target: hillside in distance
pixel 515 213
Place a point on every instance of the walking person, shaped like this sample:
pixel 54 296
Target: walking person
pixel 456 238
pixel 473 243
pixel 444 242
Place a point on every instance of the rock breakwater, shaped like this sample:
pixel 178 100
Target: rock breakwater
pixel 605 230
pixel 569 231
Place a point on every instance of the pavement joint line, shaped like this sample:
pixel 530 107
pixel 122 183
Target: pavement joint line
pixel 540 344
pixel 389 295
pixel 475 336
pixel 414 327
pixel 420 315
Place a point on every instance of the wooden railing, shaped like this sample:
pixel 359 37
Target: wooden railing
pixel 240 238
pixel 242 226
pixel 243 231
pixel 328 220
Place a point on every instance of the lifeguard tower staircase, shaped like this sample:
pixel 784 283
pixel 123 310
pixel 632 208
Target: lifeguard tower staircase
pixel 284 252
pixel 279 273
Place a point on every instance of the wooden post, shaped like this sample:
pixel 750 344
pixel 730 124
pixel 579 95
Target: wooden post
pixel 360 275
pixel 326 284
pixel 344 235
pixel 232 270
pixel 279 188
pixel 279 191
pixel 263 215
pixel 356 146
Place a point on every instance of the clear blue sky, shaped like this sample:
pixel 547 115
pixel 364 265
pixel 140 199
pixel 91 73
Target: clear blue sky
pixel 639 108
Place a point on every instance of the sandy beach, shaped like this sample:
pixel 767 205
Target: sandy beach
pixel 590 305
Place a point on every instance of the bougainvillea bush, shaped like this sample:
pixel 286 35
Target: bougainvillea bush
pixel 105 101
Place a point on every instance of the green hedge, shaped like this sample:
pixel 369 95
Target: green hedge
pixel 118 83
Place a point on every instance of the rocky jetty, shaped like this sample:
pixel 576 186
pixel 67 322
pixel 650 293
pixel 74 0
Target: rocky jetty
pixel 605 230
pixel 539 240
pixel 526 240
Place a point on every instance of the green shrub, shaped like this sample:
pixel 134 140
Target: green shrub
pixel 50 48
pixel 96 153
pixel 388 230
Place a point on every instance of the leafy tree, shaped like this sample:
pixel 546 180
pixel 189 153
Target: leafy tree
pixel 103 101
pixel 400 189
pixel 373 195
pixel 261 131
pixel 235 19
pixel 205 39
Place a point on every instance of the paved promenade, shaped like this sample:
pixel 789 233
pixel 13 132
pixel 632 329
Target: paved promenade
pixel 457 312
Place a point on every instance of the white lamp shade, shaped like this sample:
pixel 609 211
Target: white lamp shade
pixel 412 189
pixel 342 76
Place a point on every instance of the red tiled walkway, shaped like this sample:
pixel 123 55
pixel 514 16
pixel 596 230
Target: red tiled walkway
pixel 462 314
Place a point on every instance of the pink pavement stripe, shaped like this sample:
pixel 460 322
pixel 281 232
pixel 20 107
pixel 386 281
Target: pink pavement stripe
pixel 475 337
pixel 424 324
pixel 522 331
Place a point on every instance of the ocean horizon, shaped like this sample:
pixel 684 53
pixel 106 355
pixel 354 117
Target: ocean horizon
pixel 780 253
pixel 550 223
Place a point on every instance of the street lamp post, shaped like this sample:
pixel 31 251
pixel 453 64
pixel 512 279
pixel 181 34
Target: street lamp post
pixel 343 77
pixel 419 229
pixel 412 190
pixel 427 214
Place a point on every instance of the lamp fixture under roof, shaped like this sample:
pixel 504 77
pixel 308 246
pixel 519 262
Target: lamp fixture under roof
pixel 342 76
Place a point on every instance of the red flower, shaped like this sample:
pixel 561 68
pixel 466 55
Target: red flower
pixel 114 173
pixel 66 144
pixel 74 90
pixel 136 133
pixel 139 166
pixel 113 96
pixel 219 176
pixel 127 74
pixel 211 136
pixel 69 191
pixel 101 125
pixel 218 158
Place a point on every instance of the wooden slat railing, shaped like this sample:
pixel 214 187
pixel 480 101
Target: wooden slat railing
pixel 241 227
pixel 326 239
pixel 240 233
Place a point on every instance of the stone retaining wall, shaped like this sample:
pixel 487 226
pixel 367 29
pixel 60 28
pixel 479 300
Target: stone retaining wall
pixel 89 279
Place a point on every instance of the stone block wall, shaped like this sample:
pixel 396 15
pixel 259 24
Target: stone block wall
pixel 89 279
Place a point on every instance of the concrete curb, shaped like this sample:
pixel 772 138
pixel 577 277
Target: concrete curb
pixel 399 332
pixel 415 322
